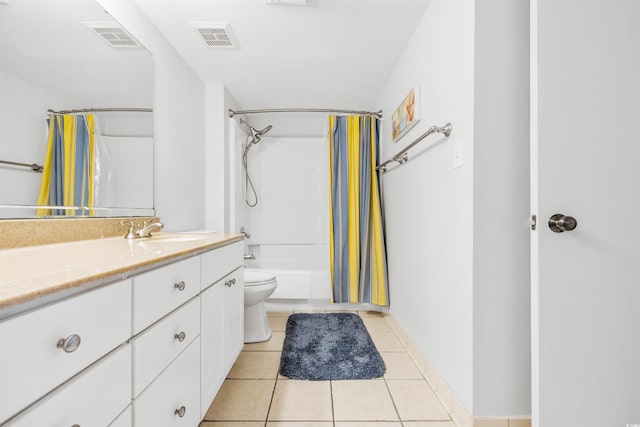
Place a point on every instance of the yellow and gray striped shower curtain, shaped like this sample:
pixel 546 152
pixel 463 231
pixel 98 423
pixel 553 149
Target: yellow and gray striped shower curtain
pixel 357 248
pixel 68 173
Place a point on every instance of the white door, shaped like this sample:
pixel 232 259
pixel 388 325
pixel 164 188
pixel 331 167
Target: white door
pixel 585 74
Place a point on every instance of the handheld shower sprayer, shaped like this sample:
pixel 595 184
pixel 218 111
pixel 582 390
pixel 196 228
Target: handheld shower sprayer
pixel 255 136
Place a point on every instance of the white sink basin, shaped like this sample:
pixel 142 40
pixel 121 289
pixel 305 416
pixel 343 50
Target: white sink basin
pixel 173 239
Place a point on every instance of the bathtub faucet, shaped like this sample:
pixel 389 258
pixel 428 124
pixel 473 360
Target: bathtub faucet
pixel 249 256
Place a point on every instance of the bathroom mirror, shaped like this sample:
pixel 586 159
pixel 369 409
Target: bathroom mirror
pixel 71 55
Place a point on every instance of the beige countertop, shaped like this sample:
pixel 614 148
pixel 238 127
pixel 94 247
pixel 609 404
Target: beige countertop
pixel 36 275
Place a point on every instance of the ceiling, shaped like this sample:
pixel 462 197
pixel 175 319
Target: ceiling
pixel 327 54
pixel 45 43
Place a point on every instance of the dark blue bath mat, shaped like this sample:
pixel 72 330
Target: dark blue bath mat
pixel 333 346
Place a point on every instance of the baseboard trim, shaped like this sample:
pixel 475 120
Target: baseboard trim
pixel 451 403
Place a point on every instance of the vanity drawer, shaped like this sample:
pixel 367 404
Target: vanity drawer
pixel 178 387
pixel 31 360
pixel 96 397
pixel 160 291
pixel 219 262
pixel 158 346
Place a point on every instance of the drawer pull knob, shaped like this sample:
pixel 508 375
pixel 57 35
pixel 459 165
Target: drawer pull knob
pixel 181 336
pixel 181 411
pixel 70 343
pixel 180 285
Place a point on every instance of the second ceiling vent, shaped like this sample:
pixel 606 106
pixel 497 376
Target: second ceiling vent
pixel 216 34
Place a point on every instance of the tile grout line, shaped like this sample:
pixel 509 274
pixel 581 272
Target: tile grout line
pixel 393 400
pixel 424 376
pixel 395 407
pixel 273 393
pixel 333 413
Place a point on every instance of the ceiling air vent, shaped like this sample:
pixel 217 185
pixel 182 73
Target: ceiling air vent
pixel 112 33
pixel 216 34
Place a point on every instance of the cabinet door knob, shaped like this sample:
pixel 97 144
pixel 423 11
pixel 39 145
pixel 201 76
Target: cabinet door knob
pixel 180 285
pixel 233 281
pixel 181 411
pixel 181 336
pixel 228 283
pixel 70 343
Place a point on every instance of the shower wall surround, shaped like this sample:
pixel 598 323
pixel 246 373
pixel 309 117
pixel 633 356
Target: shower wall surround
pixel 289 226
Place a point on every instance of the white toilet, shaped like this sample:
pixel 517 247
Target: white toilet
pixel 258 285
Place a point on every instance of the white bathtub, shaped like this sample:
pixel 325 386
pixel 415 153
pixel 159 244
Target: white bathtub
pixel 298 269
pixel 300 284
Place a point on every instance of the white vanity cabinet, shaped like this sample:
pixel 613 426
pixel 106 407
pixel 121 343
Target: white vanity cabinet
pixel 166 346
pixel 157 347
pixel 151 350
pixel 158 292
pixel 96 397
pixel 167 377
pixel 173 399
pixel 233 323
pixel 43 348
pixel 222 318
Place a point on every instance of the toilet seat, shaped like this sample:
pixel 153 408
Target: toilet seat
pixel 258 277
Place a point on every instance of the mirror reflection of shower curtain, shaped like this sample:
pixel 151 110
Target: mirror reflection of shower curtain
pixel 69 167
pixel 357 247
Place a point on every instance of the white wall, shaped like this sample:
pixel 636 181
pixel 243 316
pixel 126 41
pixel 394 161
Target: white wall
pixel 179 116
pixel 501 291
pixel 429 204
pixel 237 207
pixel 23 123
pixel 457 238
pixel 218 155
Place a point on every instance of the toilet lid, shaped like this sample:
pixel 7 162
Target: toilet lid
pixel 258 277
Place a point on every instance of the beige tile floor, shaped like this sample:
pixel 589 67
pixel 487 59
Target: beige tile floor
pixel 255 395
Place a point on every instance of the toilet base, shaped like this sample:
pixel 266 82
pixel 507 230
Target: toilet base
pixel 256 324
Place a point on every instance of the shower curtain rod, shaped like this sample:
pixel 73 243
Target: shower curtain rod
pixel 34 167
pixel 101 110
pixel 377 114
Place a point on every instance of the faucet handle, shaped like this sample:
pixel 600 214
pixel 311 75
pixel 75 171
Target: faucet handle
pixel 131 233
pixel 148 228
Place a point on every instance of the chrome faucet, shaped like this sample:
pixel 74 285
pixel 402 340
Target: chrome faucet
pixel 148 227
pixel 141 231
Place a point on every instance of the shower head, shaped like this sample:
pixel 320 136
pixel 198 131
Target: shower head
pixel 256 135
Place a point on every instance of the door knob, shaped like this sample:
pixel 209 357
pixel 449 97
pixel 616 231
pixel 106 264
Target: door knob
pixel 559 223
